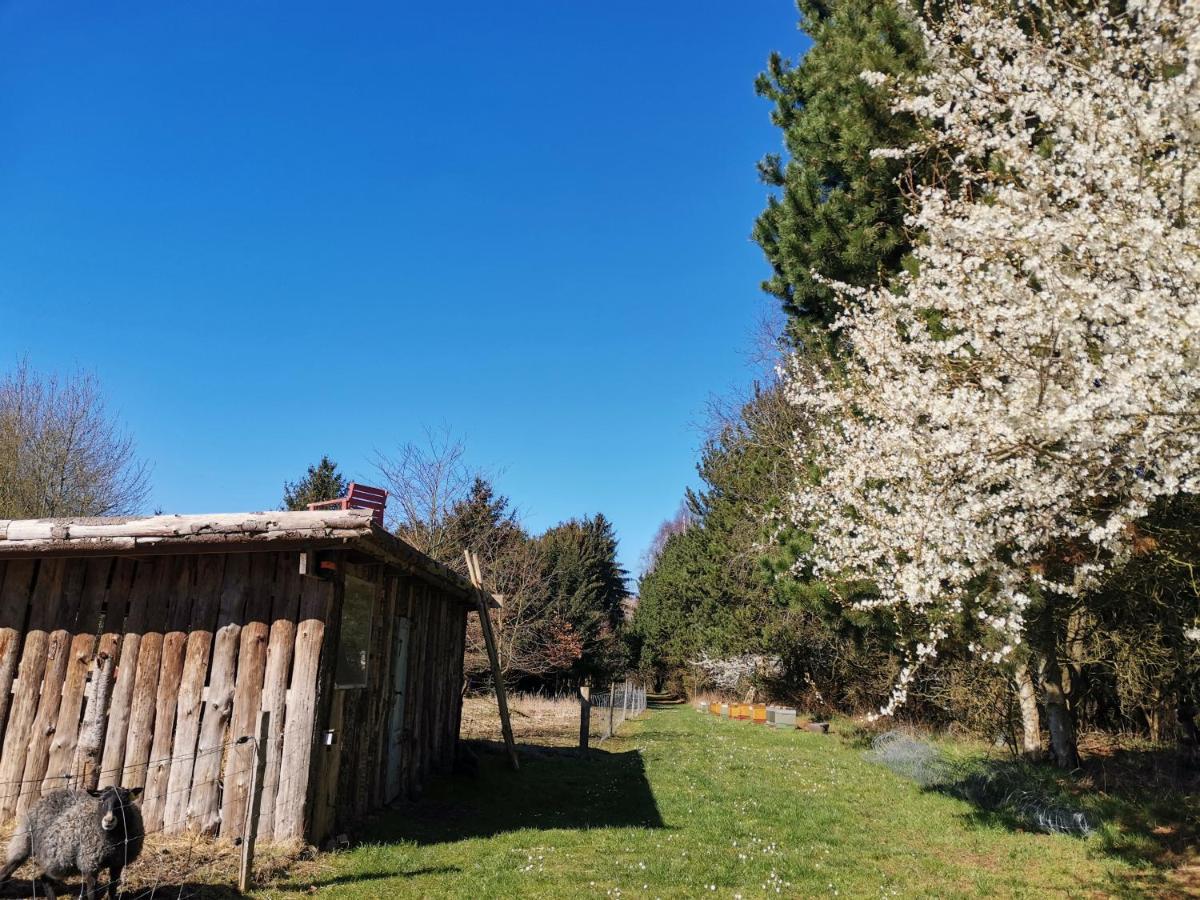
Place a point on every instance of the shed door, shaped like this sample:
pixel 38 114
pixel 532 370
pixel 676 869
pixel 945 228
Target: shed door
pixel 395 757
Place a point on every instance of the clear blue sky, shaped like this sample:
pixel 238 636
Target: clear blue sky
pixel 276 230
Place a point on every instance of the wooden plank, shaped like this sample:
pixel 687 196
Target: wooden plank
pixel 247 696
pixel 489 639
pixel 385 662
pixel 61 625
pixel 281 643
pixel 79 665
pixel 441 709
pixel 14 611
pixel 144 701
pixel 418 678
pixel 459 654
pixel 141 594
pixel 206 607
pixel 325 803
pixel 204 802
pixel 346 746
pixel 299 736
pixel 170 676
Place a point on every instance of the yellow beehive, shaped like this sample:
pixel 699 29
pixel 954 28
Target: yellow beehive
pixel 759 714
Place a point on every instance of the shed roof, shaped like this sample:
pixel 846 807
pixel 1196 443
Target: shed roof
pixel 350 529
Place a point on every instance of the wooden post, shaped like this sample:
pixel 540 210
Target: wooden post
pixel 87 754
pixel 485 624
pixel 585 715
pixel 612 705
pixel 257 777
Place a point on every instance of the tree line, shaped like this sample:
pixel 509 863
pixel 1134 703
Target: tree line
pixel 563 592
pixel 969 495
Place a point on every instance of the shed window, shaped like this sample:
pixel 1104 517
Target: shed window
pixel 355 639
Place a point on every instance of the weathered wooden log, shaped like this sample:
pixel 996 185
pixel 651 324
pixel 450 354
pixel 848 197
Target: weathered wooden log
pixel 281 643
pixel 47 594
pixel 170 676
pixel 144 701
pixel 204 803
pixel 247 697
pixel 117 734
pixel 62 615
pixel 14 601
pixel 205 609
pixel 61 768
pixel 299 734
pixel 91 737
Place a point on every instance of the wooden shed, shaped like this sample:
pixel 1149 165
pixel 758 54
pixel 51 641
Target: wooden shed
pixel 349 638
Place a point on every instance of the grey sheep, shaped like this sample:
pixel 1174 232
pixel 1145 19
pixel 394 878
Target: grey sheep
pixel 78 833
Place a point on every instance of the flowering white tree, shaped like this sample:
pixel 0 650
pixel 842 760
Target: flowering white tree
pixel 1011 407
pixel 732 672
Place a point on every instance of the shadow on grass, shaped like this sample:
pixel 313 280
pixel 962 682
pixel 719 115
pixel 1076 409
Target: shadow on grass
pixel 1143 806
pixel 364 877
pixel 553 789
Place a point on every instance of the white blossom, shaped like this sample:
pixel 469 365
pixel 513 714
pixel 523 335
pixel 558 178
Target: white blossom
pixel 730 672
pixel 1004 415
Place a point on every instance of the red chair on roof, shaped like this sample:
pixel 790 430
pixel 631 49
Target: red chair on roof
pixel 358 496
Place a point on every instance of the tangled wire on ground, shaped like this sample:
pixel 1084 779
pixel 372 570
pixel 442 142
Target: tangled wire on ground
pixel 1001 787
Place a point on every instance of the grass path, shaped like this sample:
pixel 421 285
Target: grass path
pixel 684 805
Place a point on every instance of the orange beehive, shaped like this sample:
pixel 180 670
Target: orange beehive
pixel 743 711
pixel 759 716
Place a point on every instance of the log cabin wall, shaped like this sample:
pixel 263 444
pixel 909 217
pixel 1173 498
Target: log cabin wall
pixel 202 642
pixel 384 749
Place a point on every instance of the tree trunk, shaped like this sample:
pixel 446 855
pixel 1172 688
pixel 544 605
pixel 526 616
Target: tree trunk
pixel 1031 725
pixel 1046 642
pixel 1058 713
pixel 1186 715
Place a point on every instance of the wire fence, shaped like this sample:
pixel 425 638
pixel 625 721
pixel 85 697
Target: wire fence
pixel 1009 788
pixel 187 869
pixel 609 710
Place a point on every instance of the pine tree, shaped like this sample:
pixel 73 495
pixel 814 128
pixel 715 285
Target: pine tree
pixel 322 482
pixel 838 212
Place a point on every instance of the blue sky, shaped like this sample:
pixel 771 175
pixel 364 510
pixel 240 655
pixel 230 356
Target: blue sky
pixel 276 230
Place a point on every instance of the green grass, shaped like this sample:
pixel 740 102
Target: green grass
pixel 685 805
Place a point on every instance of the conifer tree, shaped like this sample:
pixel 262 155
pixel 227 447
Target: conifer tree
pixel 837 211
pixel 322 482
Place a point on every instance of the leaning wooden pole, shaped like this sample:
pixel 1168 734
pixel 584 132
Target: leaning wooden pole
pixel 489 638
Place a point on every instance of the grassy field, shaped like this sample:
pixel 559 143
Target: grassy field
pixel 683 805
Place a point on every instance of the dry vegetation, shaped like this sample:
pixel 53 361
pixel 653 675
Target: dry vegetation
pixel 536 719
pixel 201 868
